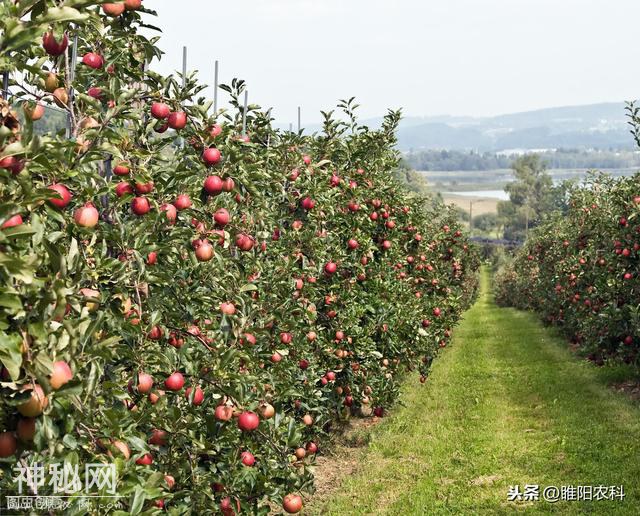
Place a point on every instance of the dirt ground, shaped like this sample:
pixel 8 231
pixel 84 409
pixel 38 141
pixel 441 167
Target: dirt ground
pixel 481 205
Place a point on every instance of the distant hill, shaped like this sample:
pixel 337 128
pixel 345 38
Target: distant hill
pixel 599 126
pixel 591 126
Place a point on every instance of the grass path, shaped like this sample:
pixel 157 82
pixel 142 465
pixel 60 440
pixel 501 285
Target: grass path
pixel 506 404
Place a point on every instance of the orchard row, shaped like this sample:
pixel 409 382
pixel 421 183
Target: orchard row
pixel 196 304
pixel 580 270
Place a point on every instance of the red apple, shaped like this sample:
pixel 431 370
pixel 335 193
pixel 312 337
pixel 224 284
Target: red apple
pixel 52 46
pixel 121 169
pixel 247 458
pixel 145 460
pixel 113 9
pixel 123 188
pixel 228 308
pixel 223 413
pixel 152 258
pixel 198 395
pixel 204 252
pixel 87 216
pixel 93 60
pixel 292 503
pixel 307 203
pixel 353 244
pixel 245 242
pixel 26 429
pixel 158 437
pixel 177 120
pixel 248 421
pixel 330 268
pixel 61 375
pixel 8 444
pixel 140 206
pixel 160 110
pixel 170 212
pixel 213 185
pixel 132 5
pixel 175 382
pixel 221 217
pixel 211 156
pixel 182 202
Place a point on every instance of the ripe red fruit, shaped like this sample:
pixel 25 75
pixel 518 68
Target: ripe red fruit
pixel 216 130
pixel 52 46
pixel 177 120
pixel 11 222
pixel 113 9
pixel 175 382
pixel 247 459
pixel 182 202
pixel 152 258
pixel 223 413
pixel 123 189
pixel 198 396
pixel 628 340
pixel 156 333
pixel 95 92
pixel 303 364
pixel 121 169
pixel 211 156
pixel 8 444
pixel 221 217
pixel 160 110
pixel 132 5
pixel 307 203
pixel 244 242
pixel 426 323
pixel 228 184
pixel 61 375
pixel 378 411
pixel 330 375
pixel 286 337
pixel 353 206
pixel 140 206
pixel 63 192
pixel 158 437
pixel 276 357
pixel 248 421
pixel 307 160
pixel 93 60
pixel 204 252
pixel 292 503
pixel 228 308
pixel 353 244
pixel 312 447
pixel 386 245
pixel 437 312
pixel 330 268
pixel 26 429
pixel 87 216
pixel 145 383
pixel 144 188
pixel 170 212
pixel 145 460
pixel 213 185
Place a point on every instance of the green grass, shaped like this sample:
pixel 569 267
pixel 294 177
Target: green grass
pixel 506 404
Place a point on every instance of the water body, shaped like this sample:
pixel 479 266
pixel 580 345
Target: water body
pixel 490 194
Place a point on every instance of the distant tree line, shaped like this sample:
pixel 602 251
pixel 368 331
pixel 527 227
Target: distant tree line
pixel 449 160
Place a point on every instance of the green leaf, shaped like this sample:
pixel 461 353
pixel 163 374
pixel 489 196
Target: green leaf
pixel 11 354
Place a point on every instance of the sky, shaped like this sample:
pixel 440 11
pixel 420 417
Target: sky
pixel 428 57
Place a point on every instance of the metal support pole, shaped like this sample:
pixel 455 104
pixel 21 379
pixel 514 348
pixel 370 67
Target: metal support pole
pixel 184 66
pixel 244 113
pixel 299 120
pixel 72 77
pixel 215 90
pixel 5 85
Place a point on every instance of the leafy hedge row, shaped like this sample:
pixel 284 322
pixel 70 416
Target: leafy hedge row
pixel 197 305
pixel 580 270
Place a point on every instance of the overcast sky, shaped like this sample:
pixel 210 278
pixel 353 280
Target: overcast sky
pixel 430 57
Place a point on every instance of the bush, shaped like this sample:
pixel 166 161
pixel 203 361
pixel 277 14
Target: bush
pixel 580 270
pixel 199 310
